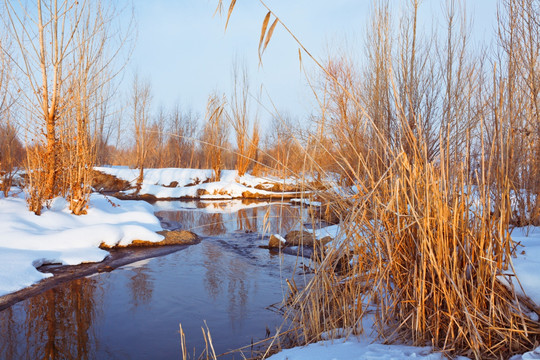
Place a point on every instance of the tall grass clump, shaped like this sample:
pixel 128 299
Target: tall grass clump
pixel 427 256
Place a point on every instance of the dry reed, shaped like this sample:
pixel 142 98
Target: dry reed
pixel 428 248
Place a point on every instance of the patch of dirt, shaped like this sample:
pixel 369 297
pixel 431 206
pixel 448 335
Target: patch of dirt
pixel 275 196
pixel 201 192
pixel 173 184
pixel 172 237
pixel 145 197
pixel 108 183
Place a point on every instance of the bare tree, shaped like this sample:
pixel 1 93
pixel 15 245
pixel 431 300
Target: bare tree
pixel 156 141
pixel 517 113
pixel 43 51
pixel 240 119
pixel 181 144
pixel 63 49
pixel 215 135
pixel 283 151
pixel 11 151
pixel 104 126
pixel 140 100
pixel 377 92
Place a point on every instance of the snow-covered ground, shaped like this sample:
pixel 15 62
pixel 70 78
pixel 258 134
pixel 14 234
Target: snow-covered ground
pixel 527 262
pixel 353 348
pixel 194 183
pixel 28 241
pixel 356 348
pixel 365 348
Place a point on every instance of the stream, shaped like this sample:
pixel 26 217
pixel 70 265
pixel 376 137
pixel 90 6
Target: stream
pixel 227 282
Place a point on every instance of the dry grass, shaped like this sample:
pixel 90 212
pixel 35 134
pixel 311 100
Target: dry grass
pixel 426 253
pixel 208 353
pixel 11 156
pixel 215 135
pixel 35 177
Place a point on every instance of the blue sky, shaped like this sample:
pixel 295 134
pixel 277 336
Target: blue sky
pixel 185 53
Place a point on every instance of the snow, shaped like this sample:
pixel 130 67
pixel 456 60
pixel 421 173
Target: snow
pixel 304 201
pixel 191 181
pixel 29 241
pixel 280 238
pixel 353 348
pixel 159 176
pixel 527 262
pixel 332 231
pixel 364 348
pixel 360 347
pixel 531 355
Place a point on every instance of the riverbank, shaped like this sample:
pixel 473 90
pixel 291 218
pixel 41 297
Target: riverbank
pixel 192 184
pixel 59 237
pixel 65 273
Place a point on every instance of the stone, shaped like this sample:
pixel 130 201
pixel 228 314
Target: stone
pixel 304 238
pixel 108 183
pixel 276 241
pixel 325 240
pixel 250 195
pixel 178 237
pixel 173 237
pixel 297 238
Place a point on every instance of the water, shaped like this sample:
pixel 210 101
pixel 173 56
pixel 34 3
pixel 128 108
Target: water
pixel 134 312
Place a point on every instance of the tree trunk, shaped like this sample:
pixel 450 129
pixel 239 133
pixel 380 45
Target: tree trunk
pixel 50 166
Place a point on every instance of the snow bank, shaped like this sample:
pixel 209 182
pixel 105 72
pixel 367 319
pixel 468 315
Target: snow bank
pixel 191 183
pixel 333 231
pixel 363 348
pixel 527 262
pixel 162 177
pixel 57 236
pixel 353 348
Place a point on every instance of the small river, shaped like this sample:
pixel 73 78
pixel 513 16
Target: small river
pixel 134 312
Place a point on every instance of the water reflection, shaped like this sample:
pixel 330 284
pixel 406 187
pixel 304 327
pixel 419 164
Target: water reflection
pixel 246 221
pixel 219 218
pixel 141 286
pixel 202 223
pixel 134 311
pixel 9 328
pixel 238 292
pixel 214 274
pixel 54 325
pixel 212 224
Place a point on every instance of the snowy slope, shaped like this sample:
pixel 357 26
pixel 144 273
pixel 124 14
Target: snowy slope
pixel 190 183
pixel 28 241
